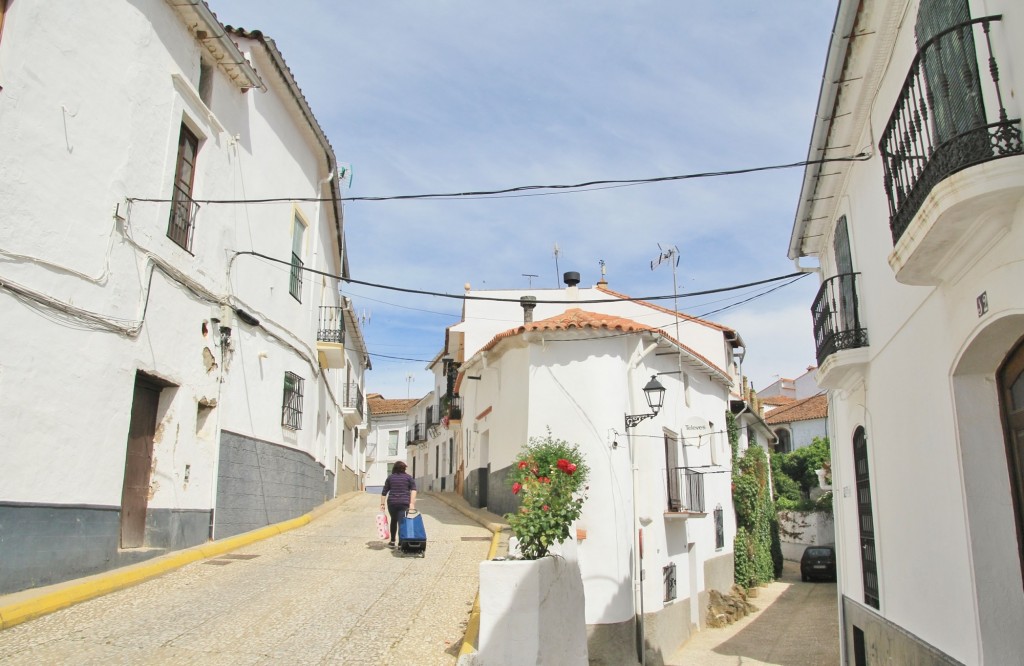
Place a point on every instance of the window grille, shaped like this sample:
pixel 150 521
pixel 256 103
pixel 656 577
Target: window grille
pixel 183 209
pixel 719 528
pixel 291 410
pixel 669 575
pixel 295 285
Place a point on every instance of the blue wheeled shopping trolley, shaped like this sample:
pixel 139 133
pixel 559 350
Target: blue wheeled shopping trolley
pixel 412 537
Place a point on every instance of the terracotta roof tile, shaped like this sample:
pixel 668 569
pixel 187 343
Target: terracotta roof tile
pixel 576 318
pixel 815 407
pixel 777 400
pixel 681 315
pixel 379 405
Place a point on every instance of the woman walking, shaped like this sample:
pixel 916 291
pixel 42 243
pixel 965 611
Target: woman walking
pixel 400 491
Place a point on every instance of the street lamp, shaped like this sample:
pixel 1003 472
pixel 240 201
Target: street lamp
pixel 655 394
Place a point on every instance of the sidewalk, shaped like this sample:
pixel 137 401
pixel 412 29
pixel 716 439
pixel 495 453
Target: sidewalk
pixel 797 624
pixel 327 592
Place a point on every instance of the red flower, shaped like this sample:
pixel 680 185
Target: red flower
pixel 522 464
pixel 570 468
pixel 544 479
pixel 516 487
pixel 545 507
pixel 563 463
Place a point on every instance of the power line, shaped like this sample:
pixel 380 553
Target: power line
pixel 466 297
pixel 536 190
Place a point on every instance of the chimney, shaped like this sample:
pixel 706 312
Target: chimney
pixel 528 303
pixel 572 280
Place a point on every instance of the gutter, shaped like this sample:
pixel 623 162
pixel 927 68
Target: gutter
pixel 846 15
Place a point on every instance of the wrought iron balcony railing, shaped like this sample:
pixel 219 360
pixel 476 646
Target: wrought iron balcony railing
pixel 416 434
pixel 836 316
pixel 332 324
pixel 451 406
pixel 940 124
pixel 685 490
pixel 354 398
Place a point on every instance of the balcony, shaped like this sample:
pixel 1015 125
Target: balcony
pixel 330 337
pixel 685 492
pixel 352 404
pixel 451 407
pixel 416 434
pixel 950 188
pixel 840 338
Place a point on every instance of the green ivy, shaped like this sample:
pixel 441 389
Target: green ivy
pixel 757 551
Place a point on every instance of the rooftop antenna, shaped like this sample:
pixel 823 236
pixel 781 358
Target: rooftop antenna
pixel 529 276
pixel 668 254
pixel 604 273
pixel 409 379
pixel 557 274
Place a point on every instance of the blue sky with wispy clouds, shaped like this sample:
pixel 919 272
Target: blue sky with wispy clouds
pixel 450 96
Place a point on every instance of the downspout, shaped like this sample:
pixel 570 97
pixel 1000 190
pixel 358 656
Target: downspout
pixel 637 572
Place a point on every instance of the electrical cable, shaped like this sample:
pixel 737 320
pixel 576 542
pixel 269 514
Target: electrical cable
pixel 466 297
pixel 556 189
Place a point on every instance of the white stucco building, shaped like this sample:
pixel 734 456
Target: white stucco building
pixel 162 384
pixel 388 436
pixel 577 367
pixel 919 324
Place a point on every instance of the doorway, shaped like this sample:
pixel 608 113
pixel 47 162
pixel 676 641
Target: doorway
pixel 1011 399
pixel 138 463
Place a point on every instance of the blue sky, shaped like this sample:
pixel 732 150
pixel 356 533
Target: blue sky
pixel 448 96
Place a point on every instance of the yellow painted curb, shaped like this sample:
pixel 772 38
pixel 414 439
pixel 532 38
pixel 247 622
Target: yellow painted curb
pixel 30 604
pixel 469 641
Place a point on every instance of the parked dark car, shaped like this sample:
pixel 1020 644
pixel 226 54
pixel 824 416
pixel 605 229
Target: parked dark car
pixel 818 562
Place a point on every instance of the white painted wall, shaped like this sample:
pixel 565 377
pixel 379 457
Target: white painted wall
pixel 916 394
pixel 85 122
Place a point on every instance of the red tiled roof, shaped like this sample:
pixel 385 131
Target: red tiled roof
pixel 575 318
pixel 380 405
pixel 815 407
pixel 777 400
pixel 681 315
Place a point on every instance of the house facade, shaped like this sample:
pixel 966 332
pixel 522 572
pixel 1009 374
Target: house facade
pixel 180 376
pixel 387 437
pixel 798 423
pixel 919 324
pixel 556 362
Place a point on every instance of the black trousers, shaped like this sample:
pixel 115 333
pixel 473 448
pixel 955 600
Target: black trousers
pixel 397 512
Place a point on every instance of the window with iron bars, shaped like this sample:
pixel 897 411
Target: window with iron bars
pixel 291 411
pixel 669 574
pixel 182 220
pixel 298 237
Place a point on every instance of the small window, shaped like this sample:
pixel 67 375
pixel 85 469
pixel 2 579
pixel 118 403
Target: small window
pixel 183 208
pixel 719 528
pixel 205 82
pixel 451 455
pixel 292 407
pixel 669 575
pixel 298 235
pixel 393 443
pixel 785 444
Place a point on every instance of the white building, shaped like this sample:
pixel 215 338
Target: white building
pixel 919 324
pixel 578 367
pixel 802 387
pixel 387 437
pixel 162 384
pixel 798 423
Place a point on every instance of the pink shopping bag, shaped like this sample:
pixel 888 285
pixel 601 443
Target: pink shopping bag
pixel 383 528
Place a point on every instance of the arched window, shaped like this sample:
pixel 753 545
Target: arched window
pixel 1011 397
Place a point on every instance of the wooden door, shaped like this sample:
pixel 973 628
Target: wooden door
pixel 138 464
pixel 1011 397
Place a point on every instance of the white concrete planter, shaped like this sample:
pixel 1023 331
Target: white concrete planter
pixel 532 612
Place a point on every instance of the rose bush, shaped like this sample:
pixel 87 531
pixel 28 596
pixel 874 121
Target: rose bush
pixel 549 478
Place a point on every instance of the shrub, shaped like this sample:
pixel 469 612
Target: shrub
pixel 549 475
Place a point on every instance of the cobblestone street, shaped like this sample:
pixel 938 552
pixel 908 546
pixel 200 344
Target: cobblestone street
pixel 329 592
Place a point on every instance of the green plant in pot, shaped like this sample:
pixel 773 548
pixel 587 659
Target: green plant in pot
pixel 549 477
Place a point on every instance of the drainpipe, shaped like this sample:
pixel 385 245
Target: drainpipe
pixel 637 572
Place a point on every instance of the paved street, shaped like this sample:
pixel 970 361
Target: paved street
pixel 326 593
pixel 797 625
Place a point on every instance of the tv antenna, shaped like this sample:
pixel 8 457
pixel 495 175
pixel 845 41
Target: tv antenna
pixel 670 254
pixel 557 274
pixel 529 276
pixel 409 379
